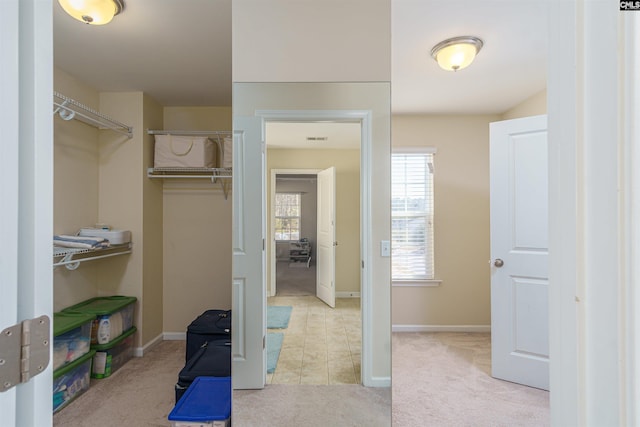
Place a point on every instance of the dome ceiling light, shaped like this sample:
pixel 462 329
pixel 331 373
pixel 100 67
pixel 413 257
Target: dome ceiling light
pixel 94 12
pixel 456 53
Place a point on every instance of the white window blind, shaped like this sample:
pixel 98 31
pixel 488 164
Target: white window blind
pixel 287 216
pixel 412 216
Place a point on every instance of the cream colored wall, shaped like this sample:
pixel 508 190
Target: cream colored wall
pixel 347 164
pixel 120 198
pixel 532 106
pixel 374 97
pixel 461 220
pixel 197 232
pixel 307 41
pixel 152 230
pixel 75 186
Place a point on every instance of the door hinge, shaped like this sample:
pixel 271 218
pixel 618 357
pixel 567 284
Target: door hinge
pixel 264 342
pixel 263 245
pixel 24 351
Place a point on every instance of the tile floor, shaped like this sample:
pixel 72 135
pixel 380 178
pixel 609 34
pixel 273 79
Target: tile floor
pixel 321 345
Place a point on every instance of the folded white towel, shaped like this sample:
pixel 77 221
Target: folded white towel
pixel 84 242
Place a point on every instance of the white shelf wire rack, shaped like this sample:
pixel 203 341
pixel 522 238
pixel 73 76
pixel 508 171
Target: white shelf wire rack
pixel 69 109
pixel 72 257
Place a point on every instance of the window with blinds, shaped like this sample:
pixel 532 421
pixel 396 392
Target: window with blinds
pixel 287 216
pixel 412 216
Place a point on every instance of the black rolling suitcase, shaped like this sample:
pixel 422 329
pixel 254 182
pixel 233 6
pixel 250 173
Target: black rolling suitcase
pixel 212 325
pixel 213 359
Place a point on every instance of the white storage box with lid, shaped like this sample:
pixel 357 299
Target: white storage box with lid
pixel 206 403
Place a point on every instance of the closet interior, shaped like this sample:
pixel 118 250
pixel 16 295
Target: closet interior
pixel 177 262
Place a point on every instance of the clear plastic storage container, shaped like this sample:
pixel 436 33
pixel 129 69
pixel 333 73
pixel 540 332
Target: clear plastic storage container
pixel 71 337
pixel 71 381
pixel 206 403
pixel 112 316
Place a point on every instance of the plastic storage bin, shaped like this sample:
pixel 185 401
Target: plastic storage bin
pixel 110 357
pixel 113 316
pixel 71 337
pixel 71 381
pixel 206 403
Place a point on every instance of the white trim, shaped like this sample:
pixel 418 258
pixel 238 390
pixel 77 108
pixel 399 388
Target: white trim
pixel 630 94
pixel 379 382
pixel 416 150
pixel 347 294
pixel 431 283
pixel 272 259
pixel 441 328
pixel 365 118
pixel 174 336
pixel 140 351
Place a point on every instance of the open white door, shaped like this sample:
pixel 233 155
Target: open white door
pixel 326 237
pixel 249 369
pixel 519 251
pixel 26 216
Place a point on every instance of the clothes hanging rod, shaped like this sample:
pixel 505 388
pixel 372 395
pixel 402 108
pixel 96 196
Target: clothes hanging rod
pixel 190 132
pixel 68 109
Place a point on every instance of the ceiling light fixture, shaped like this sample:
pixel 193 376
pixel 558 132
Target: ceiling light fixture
pixel 456 53
pixel 94 12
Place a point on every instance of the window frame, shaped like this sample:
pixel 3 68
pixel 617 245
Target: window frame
pixel 298 217
pixel 417 282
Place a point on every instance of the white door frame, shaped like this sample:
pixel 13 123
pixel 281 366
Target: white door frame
pixel 26 191
pixel 366 249
pixel 271 257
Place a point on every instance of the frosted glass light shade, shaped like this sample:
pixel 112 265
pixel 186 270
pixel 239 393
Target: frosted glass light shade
pixel 94 12
pixel 456 53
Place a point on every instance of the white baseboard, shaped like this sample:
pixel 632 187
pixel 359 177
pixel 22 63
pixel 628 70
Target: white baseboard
pixel 139 351
pixel 347 294
pixel 174 336
pixel 378 382
pixel 441 328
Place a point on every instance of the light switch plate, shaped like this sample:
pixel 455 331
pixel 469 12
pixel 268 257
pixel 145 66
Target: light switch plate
pixel 385 248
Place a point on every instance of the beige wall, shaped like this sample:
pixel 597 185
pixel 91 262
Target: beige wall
pixel 461 217
pixel 197 231
pixel 532 106
pixel 347 164
pixel 75 186
pixel 307 41
pixel 373 97
pixel 99 176
pixel 461 221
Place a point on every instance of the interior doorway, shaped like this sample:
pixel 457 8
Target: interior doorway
pixel 302 179
pixel 293 232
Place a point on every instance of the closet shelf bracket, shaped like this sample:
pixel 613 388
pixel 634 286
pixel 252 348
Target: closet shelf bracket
pixel 66 255
pixel 69 109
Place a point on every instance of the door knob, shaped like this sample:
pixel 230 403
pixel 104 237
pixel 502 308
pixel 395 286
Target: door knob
pixel 498 263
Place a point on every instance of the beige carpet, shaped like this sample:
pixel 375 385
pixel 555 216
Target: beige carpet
pixel 439 379
pixel 295 281
pixel 443 379
pixel 141 393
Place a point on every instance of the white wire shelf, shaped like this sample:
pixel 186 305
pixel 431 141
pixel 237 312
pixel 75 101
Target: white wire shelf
pixel 221 175
pixel 69 256
pixel 69 109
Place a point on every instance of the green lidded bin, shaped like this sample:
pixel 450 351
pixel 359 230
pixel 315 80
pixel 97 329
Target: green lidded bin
pixel 71 381
pixel 110 357
pixel 71 337
pixel 113 316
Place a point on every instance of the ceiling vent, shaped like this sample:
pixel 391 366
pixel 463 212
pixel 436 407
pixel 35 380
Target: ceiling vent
pixel 317 138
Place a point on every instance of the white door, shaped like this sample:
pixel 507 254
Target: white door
pixel 519 251
pixel 26 215
pixel 249 285
pixel 326 237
